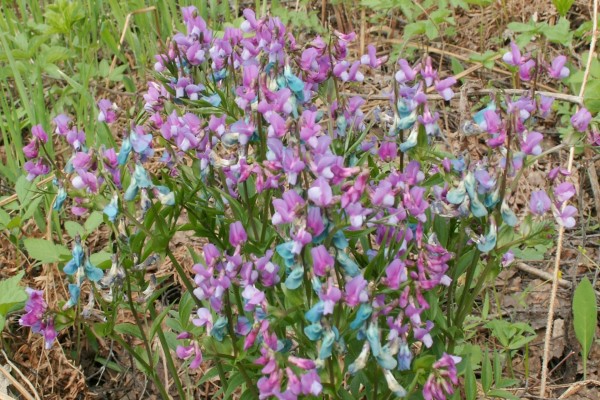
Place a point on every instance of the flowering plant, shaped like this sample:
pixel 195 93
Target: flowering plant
pixel 332 253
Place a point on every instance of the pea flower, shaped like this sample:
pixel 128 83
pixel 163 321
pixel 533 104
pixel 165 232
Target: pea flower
pixel 539 203
pixel 439 383
pixel 557 69
pixel 581 119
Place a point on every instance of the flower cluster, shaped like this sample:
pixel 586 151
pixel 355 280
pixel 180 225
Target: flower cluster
pixel 336 258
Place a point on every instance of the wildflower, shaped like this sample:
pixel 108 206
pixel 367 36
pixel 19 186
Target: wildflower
pixel 444 88
pixel 107 111
pixel 565 217
pixel 514 56
pixel 35 169
pixel 531 143
pixel 371 58
pixel 38 132
pixel 428 73
pixel 581 119
pixel 564 191
pixel 444 374
pixel 237 234
pixel 539 203
pixel 405 73
pixel 322 260
pixel 558 70
pixel 393 384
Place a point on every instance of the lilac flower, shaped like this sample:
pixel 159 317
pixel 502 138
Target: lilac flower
pixel 35 169
pixel 525 70
pixel 545 106
pixel 38 132
pixel 320 193
pixel 388 151
pixel 330 297
pixel 558 70
pixel 286 208
pixel 531 143
pixel 428 73
pixel 253 297
pixel 185 352
pixel 581 119
pixel 539 203
pixel 564 191
pixel 314 221
pixel 565 217
pixel 508 258
pixel 371 58
pixel 237 234
pixel 356 291
pixel 444 88
pixel 62 124
pixel 311 383
pixel 514 56
pixel 322 260
pixel 439 383
pixel 107 111
pixel 31 150
pixel 395 274
pixel 405 73
pixel 35 309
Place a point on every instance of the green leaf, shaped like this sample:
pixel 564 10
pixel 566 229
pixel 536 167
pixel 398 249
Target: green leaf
pixel 585 315
pixel 470 383
pixel 563 6
pixel 93 221
pixel 129 329
pixel 73 229
pixel 503 394
pixel 592 96
pixel 519 27
pixel 233 383
pixel 12 296
pixel 44 250
pixel 486 372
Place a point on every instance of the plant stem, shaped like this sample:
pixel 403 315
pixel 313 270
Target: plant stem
pixel 167 353
pixel 460 312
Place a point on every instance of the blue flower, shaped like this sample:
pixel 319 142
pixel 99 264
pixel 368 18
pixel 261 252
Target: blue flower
pixel 92 272
pixel 373 338
pixel 327 345
pixel 112 209
pixel 285 251
pixel 339 240
pixel 487 243
pixel 411 140
pixel 124 152
pixel 74 292
pixel 314 332
pixel 350 267
pixel 404 357
pixel 363 313
pixel 294 279
pixel 508 215
pixel 61 196
pixel 316 312
pixel 214 99
pixel 218 330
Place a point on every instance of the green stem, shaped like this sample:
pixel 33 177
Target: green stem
pixel 170 364
pixel 466 293
pixel 466 308
pixel 182 274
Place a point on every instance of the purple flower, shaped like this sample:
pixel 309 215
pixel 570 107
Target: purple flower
pixel 558 70
pixel 330 295
pixel 566 217
pixel 531 143
pixel 286 208
pixel 356 291
pixel 253 297
pixel 311 383
pixel 439 383
pixel 31 149
pixel 525 70
pixel 204 319
pixel 581 119
pixel 428 73
pixel 38 132
pixel 564 192
pixel 314 221
pixel 237 234
pixel 49 333
pixel 107 111
pixel 320 193
pixel 513 57
pixel 35 169
pixel 371 58
pixel 444 88
pixel 395 274
pixel 322 260
pixel 406 73
pixel 388 151
pixel 545 106
pixel 539 203
pixel 62 123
